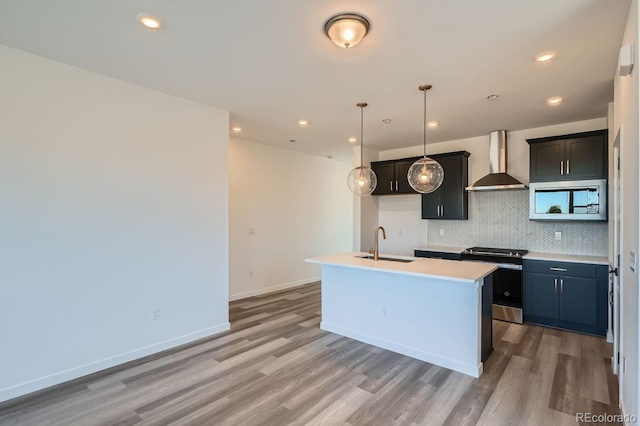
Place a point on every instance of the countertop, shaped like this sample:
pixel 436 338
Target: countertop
pixel 449 270
pixel 597 260
pixel 557 257
pixel 443 249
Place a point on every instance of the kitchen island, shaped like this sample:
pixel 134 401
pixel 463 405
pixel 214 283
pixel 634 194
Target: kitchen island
pixel 434 310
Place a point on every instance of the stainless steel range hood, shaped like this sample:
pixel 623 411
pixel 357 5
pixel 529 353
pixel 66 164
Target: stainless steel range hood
pixel 498 178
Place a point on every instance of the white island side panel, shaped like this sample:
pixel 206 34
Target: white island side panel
pixel 429 319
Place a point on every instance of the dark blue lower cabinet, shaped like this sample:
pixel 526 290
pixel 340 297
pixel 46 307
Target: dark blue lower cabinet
pixel 561 300
pixel 579 300
pixel 541 296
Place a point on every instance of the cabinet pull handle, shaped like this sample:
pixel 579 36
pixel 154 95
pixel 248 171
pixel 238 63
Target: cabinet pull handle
pixel 391 185
pixel 559 269
pixel 567 166
pixel 396 185
pixel 561 285
pixel 555 284
pixel 561 167
pixel 441 210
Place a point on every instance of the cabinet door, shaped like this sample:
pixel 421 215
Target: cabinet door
pixel 431 204
pixel 401 170
pixel 540 295
pixel 586 158
pixel 546 161
pixel 579 300
pixel 453 194
pixel 386 180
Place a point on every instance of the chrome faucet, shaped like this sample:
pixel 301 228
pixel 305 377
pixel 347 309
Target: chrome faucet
pixel 374 250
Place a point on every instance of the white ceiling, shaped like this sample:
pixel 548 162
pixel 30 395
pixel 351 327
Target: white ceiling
pixel 269 63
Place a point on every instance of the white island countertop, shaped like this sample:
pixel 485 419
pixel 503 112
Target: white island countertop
pixel 449 270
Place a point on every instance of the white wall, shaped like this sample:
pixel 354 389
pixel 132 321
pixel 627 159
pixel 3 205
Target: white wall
pixel 365 209
pixel 626 121
pixel 401 214
pixel 298 205
pixel 114 202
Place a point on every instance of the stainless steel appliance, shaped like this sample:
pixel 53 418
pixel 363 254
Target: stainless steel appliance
pixel 569 200
pixel 498 178
pixel 507 280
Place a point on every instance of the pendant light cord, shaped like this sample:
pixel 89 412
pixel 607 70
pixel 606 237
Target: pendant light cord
pixel 361 136
pixel 424 125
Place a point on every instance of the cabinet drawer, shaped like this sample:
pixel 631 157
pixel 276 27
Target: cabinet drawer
pixel 437 255
pixel 561 268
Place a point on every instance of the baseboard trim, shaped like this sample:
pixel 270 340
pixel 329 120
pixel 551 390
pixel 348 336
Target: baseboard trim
pixel 468 369
pixel 267 290
pixel 61 377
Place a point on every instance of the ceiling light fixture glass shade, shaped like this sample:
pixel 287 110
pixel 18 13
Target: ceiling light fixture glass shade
pixel 426 174
pixel 362 181
pixel 346 29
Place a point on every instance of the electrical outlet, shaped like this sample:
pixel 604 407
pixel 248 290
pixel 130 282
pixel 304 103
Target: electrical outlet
pixel 558 236
pixel 250 274
pixel 155 313
pixel 441 232
pixel 252 231
pixel 383 311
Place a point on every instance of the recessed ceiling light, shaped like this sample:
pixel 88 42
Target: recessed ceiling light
pixel 236 129
pixel 492 97
pixel 386 121
pixel 149 21
pixel 292 141
pixel 353 139
pixel 557 100
pixel 303 122
pixel 432 124
pixel 545 56
pixel 329 156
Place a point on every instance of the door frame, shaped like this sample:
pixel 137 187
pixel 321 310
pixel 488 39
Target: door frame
pixel 616 291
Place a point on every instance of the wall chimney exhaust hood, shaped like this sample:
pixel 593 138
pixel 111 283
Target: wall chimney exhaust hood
pixel 497 179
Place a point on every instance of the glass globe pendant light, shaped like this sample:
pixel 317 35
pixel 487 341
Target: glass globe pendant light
pixel 362 180
pixel 426 174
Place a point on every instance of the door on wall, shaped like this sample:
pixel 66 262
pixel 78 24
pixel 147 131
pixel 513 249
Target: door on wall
pixel 615 277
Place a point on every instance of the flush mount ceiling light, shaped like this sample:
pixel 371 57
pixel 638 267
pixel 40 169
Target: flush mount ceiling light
pixel 353 139
pixel 557 100
pixel 432 124
pixel 362 180
pixel 492 97
pixel 149 21
pixel 545 56
pixel 426 174
pixel 236 129
pixel 346 29
pixel 303 122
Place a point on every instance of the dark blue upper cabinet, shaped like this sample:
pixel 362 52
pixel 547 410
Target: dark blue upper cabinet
pixel 569 157
pixel 451 200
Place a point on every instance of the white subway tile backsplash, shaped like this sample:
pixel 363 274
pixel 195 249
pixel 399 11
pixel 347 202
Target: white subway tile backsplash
pixel 501 219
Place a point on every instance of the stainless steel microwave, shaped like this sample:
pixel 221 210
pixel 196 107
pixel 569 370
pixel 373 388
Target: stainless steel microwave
pixel 568 200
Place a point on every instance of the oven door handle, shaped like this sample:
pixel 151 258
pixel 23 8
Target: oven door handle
pixel 510 266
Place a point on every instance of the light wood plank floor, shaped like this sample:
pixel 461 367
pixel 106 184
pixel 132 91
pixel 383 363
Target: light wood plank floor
pixel 276 367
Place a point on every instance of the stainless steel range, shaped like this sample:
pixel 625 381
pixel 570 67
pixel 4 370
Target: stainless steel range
pixel 507 280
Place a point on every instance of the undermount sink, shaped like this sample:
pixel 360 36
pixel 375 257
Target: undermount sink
pixel 392 259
